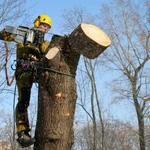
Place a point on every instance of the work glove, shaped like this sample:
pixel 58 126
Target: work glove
pixel 6 36
pixel 44 46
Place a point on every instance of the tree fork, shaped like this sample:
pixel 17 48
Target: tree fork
pixel 57 89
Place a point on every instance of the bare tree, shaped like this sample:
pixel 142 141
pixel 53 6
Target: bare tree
pixel 119 135
pixel 90 69
pixel 128 26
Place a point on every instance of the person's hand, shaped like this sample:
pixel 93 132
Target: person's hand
pixel 33 47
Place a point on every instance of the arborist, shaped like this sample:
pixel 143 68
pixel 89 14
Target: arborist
pixel 25 54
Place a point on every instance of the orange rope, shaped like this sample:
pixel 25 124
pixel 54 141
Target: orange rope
pixel 5 65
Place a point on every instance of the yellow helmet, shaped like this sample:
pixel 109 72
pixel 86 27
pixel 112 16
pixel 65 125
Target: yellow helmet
pixel 42 19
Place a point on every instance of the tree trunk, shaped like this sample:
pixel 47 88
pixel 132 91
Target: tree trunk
pixel 57 88
pixel 57 98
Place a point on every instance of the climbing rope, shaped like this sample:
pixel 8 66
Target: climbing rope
pixel 9 83
pixel 5 66
pixel 14 119
pixel 53 70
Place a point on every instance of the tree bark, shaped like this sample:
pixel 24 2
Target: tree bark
pixel 57 98
pixel 89 40
pixel 57 89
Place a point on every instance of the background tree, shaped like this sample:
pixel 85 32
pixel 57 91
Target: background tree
pixel 118 135
pixel 129 55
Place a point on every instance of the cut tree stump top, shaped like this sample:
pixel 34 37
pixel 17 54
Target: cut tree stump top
pixel 89 40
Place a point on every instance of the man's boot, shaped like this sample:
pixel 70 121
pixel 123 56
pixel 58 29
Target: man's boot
pixel 24 139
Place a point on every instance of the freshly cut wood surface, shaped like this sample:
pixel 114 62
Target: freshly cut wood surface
pixel 89 40
pixel 52 53
pixel 53 57
pixel 96 34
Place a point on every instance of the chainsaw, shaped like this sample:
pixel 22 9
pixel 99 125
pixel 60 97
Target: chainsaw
pixel 25 35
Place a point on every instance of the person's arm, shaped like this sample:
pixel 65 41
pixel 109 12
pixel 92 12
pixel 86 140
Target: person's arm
pixel 44 46
pixel 39 50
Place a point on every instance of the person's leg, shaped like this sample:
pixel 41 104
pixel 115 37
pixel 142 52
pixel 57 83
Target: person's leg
pixel 24 84
pixel 22 121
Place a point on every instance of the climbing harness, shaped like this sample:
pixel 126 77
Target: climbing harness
pixel 26 66
pixel 33 66
pixel 30 66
